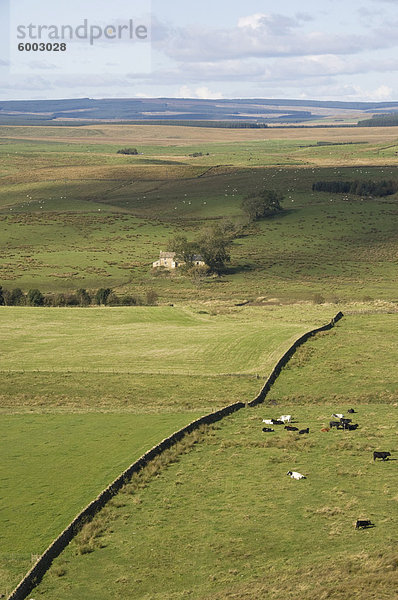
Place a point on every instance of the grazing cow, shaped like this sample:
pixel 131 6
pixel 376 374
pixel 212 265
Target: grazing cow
pixel 325 429
pixel 382 455
pixel 290 428
pixel 268 421
pixel 345 421
pixel 352 427
pixel 285 418
pixel 351 410
pixel 267 429
pixel 295 475
pixel 304 430
pixel 334 424
pixel 276 422
pixel 363 524
pixel 337 416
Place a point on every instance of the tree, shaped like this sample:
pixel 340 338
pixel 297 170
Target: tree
pixel 262 204
pixel 35 298
pixel 83 297
pixel 2 301
pixel 198 274
pixel 214 245
pixel 101 297
pixel 17 297
pixel 185 250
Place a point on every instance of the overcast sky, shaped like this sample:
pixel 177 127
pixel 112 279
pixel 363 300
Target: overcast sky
pixel 324 50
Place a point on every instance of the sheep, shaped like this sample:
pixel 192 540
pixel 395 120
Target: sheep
pixel 295 475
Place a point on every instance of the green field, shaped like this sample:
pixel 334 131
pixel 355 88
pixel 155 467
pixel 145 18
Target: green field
pixel 76 214
pixel 53 465
pixel 240 528
pixel 85 391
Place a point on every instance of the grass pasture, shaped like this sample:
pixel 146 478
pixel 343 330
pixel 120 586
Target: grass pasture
pixel 235 522
pixel 73 213
pixel 53 465
pixel 85 392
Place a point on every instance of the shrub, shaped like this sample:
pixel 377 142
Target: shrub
pixel 151 297
pixel 129 151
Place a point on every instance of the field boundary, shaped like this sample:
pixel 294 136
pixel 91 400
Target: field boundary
pixel 282 362
pixel 36 573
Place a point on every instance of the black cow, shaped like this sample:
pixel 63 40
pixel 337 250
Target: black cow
pixel 351 410
pixel 352 427
pixel 277 422
pixel 304 430
pixel 266 429
pixel 290 428
pixel 334 424
pixel 345 421
pixel 363 524
pixel 382 455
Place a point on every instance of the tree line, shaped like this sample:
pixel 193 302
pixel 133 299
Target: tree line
pixel 82 297
pixel 359 188
pixel 385 120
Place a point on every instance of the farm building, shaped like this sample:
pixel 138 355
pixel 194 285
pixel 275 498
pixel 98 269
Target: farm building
pixel 168 260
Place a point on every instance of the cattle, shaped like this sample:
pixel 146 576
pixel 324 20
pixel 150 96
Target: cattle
pixel 268 421
pixel 307 430
pixel 295 475
pixel 285 418
pixel 382 455
pixel 325 429
pixel 334 424
pixel 267 429
pixel 345 421
pixel 276 422
pixel 337 416
pixel 363 524
pixel 290 428
pixel 352 427
pixel 351 410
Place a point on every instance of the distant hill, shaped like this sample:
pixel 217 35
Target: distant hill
pixel 178 111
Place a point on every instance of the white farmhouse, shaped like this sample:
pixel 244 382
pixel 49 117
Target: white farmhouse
pixel 168 260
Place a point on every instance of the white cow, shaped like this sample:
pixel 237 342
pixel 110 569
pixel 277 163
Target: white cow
pixel 285 418
pixel 268 421
pixel 295 475
pixel 338 415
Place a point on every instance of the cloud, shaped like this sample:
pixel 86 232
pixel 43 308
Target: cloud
pixel 203 93
pixel 264 36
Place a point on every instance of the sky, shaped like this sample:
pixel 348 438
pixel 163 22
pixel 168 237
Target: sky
pixel 326 50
